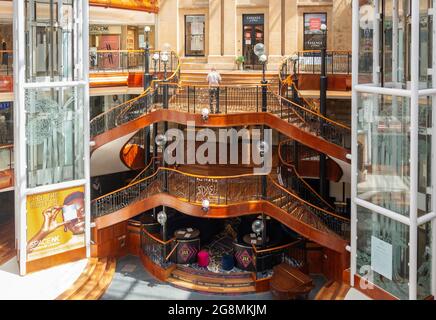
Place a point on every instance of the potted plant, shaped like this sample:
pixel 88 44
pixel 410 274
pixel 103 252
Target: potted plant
pixel 240 62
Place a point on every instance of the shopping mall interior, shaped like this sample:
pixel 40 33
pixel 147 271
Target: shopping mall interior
pixel 217 150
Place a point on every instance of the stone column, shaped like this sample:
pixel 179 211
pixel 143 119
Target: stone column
pixel 168 25
pixel 291 27
pixel 275 34
pixel 214 56
pixel 228 60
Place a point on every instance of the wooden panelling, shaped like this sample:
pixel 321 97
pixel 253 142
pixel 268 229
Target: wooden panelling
pixel 54 260
pixel 155 270
pixel 335 82
pixel 111 241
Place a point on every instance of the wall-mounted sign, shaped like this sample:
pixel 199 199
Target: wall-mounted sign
pixel 381 257
pixel 55 222
pixel 252 19
pixel 104 29
pixel 313 37
pixel 141 5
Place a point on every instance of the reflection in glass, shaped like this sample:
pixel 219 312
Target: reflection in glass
pixel 384 151
pixel 50 41
pixel 371 224
pixel 424 261
pixel 54 135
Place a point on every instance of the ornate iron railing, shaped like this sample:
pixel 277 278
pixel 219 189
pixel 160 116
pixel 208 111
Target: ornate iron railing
pixel 220 191
pixel 330 130
pixel 157 250
pixel 293 179
pixel 137 106
pixel 337 62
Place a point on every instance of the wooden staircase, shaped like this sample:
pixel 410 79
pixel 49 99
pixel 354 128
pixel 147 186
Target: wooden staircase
pixel 93 281
pixel 7 239
pixel 333 290
pixel 209 282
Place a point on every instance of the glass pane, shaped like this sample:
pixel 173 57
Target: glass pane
pixel 383 252
pixel 425 45
pixel 384 151
pixel 366 33
pixel 424 261
pixel 51 49
pixel 424 155
pixel 54 135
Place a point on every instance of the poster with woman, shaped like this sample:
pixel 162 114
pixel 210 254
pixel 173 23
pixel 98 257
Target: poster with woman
pixel 55 222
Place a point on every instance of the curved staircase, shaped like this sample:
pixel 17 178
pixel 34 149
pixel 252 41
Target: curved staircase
pixel 93 281
pixel 332 290
pixel 210 282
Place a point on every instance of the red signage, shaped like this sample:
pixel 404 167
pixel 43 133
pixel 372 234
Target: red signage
pixel 314 24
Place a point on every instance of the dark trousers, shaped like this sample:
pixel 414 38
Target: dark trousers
pixel 214 93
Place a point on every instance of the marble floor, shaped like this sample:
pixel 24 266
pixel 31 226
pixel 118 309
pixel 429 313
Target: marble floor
pixel 132 282
pixel 43 285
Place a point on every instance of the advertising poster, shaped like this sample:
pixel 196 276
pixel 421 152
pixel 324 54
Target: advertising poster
pixel 143 5
pixel 312 30
pixel 55 222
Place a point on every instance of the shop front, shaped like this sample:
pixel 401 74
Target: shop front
pixel 253 32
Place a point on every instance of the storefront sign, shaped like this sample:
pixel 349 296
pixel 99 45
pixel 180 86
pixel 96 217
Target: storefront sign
pixel 381 257
pixel 253 19
pixel 141 5
pixel 313 36
pixel 104 29
pixel 55 222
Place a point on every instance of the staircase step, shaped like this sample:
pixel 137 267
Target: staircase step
pixel 211 289
pixel 93 281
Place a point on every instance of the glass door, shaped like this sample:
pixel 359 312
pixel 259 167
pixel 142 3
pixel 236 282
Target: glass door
pixel 252 34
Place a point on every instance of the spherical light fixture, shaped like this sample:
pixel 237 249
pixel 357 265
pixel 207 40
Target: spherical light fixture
pixel 156 56
pixel 262 58
pixel 164 57
pixel 162 218
pixel 147 29
pixel 205 114
pixel 323 27
pixel 161 139
pixel 259 49
pixel 205 205
pixel 257 226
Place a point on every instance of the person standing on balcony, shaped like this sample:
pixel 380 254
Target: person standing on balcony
pixel 214 80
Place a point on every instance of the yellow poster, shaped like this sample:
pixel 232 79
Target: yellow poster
pixel 55 222
pixel 143 5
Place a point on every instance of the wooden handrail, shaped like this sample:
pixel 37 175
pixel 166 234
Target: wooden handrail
pixel 7 146
pixel 338 124
pixel 172 251
pixel 157 239
pixel 143 170
pixel 308 203
pixel 298 175
pixel 275 248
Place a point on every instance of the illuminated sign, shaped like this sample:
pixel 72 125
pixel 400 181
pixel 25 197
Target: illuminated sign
pixel 141 5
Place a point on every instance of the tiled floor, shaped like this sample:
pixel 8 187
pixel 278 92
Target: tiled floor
pixel 132 282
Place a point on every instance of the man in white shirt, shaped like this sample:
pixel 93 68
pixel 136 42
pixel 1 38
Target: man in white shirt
pixel 214 79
